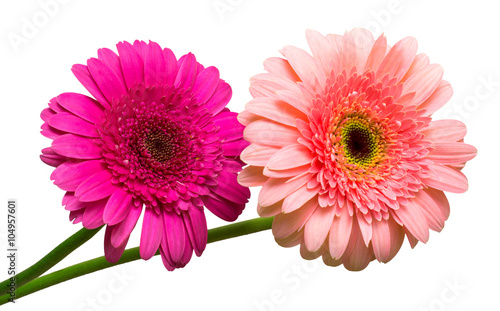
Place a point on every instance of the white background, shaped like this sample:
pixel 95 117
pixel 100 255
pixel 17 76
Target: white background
pixel 249 272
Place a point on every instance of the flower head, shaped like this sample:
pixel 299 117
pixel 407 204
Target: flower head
pixel 344 146
pixel 157 137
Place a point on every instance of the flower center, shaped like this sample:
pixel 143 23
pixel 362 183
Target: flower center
pixel 160 145
pixel 361 142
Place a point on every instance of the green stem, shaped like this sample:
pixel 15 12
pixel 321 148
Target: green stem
pixel 96 264
pixel 51 259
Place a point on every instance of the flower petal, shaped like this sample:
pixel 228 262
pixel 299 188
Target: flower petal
pixel 118 207
pixel 175 235
pixel 398 59
pixel 317 227
pixel 122 230
pixel 445 130
pixel 284 224
pixel 81 106
pixel 269 133
pixel 131 63
pixel 451 152
pixel 276 189
pixel 111 253
pixel 152 228
pixel 290 156
pixel 77 147
pixel 70 123
pixel 155 68
pixel 69 175
pixel 252 176
pixel 196 226
pixel 446 178
pixel 96 187
pixel 206 84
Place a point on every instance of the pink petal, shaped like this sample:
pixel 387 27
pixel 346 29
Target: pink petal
pixel 51 132
pixel 69 175
pixel 322 51
pixel 387 238
pixel 435 207
pixel 340 232
pixel 377 54
pixel 285 224
pixel 305 66
pixel 196 225
pixel 229 129
pixel 298 198
pixel 122 230
pixel 111 85
pixel 131 63
pixel 281 67
pixel 286 173
pixel 96 187
pixel 187 72
pixel 269 133
pixel 118 207
pixel 423 83
pixel 275 110
pixel 51 158
pixel 446 178
pixel 398 59
pixel 317 227
pixel 68 122
pixel 77 147
pixel 171 66
pixel 356 46
pixel 365 227
pixel 155 68
pixel 246 117
pixel 229 188
pixel 206 84
pixel 92 217
pixel 233 148
pixel 270 210
pixel 451 152
pixel 175 235
pixel 290 156
pixel 82 73
pixel 413 220
pixel 152 228
pixel 112 61
pixel 292 240
pixel 82 106
pixel 295 99
pixel 437 99
pixel 276 189
pixel 445 130
pixel 420 62
pixel 359 256
pixel 222 208
pixel 112 253
pixel 268 85
pixel 252 176
pixel 220 98
pixel 258 155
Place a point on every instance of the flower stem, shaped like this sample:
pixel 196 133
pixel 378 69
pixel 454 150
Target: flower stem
pixel 51 259
pixel 100 263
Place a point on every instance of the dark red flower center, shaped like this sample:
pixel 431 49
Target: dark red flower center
pixel 161 145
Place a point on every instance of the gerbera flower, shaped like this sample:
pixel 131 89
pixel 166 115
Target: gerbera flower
pixel 157 137
pixel 343 145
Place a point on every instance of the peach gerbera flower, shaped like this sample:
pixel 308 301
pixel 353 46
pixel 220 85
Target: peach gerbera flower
pixel 343 145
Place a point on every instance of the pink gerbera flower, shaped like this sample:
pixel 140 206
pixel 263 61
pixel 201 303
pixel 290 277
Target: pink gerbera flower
pixel 157 137
pixel 343 144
